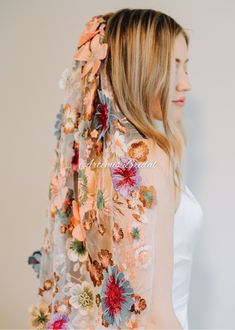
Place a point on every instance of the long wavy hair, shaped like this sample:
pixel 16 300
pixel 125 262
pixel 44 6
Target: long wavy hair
pixel 138 66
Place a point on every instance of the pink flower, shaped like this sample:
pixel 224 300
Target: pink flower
pixel 126 176
pixel 59 321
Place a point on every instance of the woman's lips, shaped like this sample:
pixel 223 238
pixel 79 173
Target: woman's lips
pixel 179 103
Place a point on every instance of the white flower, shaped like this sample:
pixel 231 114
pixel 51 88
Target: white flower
pixel 62 309
pixel 75 251
pixel 83 269
pixel 59 259
pixel 69 82
pixel 79 322
pixel 82 297
pixel 67 286
pixel 76 267
pixel 143 256
pixel 119 145
pixel 64 79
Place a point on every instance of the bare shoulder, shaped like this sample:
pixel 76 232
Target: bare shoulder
pixel 146 150
pixel 159 155
pixel 162 157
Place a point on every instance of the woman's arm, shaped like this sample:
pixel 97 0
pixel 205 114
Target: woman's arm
pixel 162 314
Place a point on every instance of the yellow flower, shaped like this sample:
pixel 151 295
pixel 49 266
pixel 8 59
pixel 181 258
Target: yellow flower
pixel 39 315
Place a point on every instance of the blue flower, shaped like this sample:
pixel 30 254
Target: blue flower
pixel 116 297
pixel 104 115
pixel 35 260
pixel 58 122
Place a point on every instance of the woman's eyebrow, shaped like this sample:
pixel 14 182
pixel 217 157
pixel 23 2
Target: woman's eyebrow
pixel 179 61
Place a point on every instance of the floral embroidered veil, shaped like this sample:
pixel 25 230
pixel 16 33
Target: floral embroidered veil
pixel 95 267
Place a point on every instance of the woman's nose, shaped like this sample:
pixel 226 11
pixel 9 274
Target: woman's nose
pixel 183 83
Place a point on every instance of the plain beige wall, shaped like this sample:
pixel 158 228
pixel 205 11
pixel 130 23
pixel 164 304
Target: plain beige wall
pixel 38 38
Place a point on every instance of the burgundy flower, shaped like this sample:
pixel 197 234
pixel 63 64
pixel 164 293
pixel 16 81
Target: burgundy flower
pixel 104 116
pixel 75 158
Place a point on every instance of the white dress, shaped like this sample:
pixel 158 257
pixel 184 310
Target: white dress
pixel 187 225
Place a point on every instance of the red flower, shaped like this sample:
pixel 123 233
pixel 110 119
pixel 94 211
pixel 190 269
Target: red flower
pixel 116 296
pixel 102 117
pixel 58 321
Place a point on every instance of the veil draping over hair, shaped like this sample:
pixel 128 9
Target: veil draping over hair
pixel 96 264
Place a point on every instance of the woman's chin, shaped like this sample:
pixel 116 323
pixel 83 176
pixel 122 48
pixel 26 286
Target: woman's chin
pixel 177 113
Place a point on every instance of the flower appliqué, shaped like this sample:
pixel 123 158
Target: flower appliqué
pixel 126 176
pixel 116 296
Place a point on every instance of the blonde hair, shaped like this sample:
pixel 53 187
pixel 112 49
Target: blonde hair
pixel 138 65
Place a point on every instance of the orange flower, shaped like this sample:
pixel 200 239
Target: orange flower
pixel 105 257
pixel 91 47
pixel 139 151
pixel 92 53
pixel 78 231
pixel 91 29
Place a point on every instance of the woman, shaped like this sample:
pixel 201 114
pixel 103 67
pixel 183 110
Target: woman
pixel 122 225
